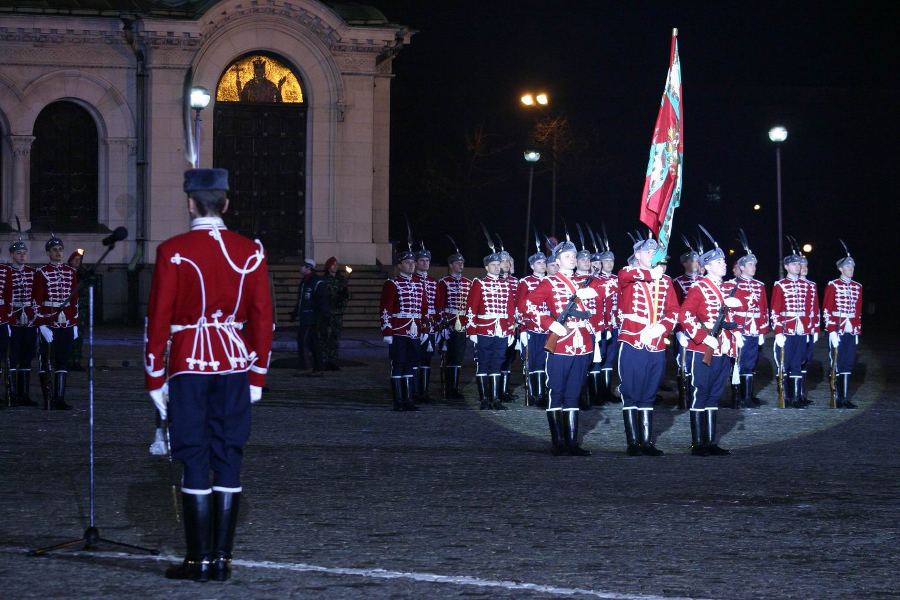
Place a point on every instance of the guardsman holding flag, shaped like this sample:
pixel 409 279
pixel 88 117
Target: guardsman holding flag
pixel 842 310
pixel 211 311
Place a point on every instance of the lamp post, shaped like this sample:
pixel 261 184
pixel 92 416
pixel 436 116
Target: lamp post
pixel 531 157
pixel 777 135
pixel 541 100
pixel 199 101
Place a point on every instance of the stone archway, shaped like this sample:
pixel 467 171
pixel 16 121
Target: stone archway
pixel 259 135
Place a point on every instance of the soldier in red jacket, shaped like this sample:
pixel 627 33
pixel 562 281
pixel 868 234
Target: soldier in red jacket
pixel 842 311
pixel 422 371
pixel 56 303
pixel 609 336
pixel 210 310
pixel 533 335
pixel 404 310
pixel 570 358
pixel 23 334
pixel 450 308
pixel 699 312
pixel 752 321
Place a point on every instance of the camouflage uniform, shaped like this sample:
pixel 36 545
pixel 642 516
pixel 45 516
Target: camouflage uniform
pixel 330 329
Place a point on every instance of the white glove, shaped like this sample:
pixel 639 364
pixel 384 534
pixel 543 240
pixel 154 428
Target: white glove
pixel 160 397
pixel 559 329
pixel 473 339
pixel 834 339
pixel 711 342
pixel 848 328
pixel 682 339
pixel 423 337
pixel 762 339
pixel 657 272
pixel 523 339
pixel 815 337
pixel 47 333
pixel 652 332
pixel 608 334
pixel 586 293
pixel 726 345
pixel 779 340
pixel 732 302
pixel 388 339
pixel 255 394
pixel 739 341
pixel 510 340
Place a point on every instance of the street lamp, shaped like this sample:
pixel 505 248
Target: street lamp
pixel 199 100
pixel 778 135
pixel 807 248
pixel 531 157
pixel 541 100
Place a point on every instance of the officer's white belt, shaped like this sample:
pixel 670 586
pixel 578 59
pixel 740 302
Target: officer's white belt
pixel 216 324
pixel 747 314
pixel 844 315
pixel 403 315
pixel 792 314
pixel 492 316
pixel 635 318
pixel 21 304
pixel 53 304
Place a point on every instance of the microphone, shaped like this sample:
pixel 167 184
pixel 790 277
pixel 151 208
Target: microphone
pixel 119 234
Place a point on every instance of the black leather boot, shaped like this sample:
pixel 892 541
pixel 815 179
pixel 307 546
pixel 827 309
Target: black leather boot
pixel 408 389
pixel 225 515
pixel 593 389
pixel 646 433
pixel 606 386
pixel 497 391
pixel 698 437
pixel 59 392
pixel 747 391
pixel 424 382
pixel 452 381
pixel 804 399
pixel 797 392
pixel 735 396
pixel 571 433
pixel 843 386
pixel 46 389
pixel 556 435
pixel 197 511
pixel 506 395
pixel 397 392
pixel 482 382
pixel 629 415
pixel 538 389
pixel 711 445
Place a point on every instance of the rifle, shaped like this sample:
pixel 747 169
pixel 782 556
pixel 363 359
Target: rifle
pixel 832 379
pixel 9 383
pixel 174 480
pixel 568 311
pixel 717 328
pixel 682 380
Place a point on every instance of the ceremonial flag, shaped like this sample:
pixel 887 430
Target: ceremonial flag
pixel 662 186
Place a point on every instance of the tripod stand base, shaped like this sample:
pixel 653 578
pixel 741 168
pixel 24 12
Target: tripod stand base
pixel 90 540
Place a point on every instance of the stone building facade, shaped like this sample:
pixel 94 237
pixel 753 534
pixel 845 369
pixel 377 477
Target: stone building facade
pixel 309 162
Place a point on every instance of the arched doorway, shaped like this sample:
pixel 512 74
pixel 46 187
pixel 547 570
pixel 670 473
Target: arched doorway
pixel 259 134
pixel 64 163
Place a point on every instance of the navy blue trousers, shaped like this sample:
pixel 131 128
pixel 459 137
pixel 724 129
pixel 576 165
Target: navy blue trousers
pixel 56 353
pixel 749 355
pixel 22 344
pixel 4 343
pixel 640 372
pixel 846 352
pixel 808 354
pixel 565 378
pixel 456 348
pixel 537 356
pixel 490 353
pixel 707 382
pixel 209 425
pixel 609 349
pixel 404 353
pixel 794 353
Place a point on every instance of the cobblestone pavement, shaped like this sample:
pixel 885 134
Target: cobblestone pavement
pixel 347 499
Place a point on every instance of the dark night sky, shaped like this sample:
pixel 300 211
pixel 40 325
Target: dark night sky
pixel 830 78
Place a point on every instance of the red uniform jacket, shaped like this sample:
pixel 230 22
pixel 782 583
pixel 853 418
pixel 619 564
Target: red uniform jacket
pixel 529 315
pixel 683 284
pixel 6 293
pixel 404 307
pixel 795 308
pixel 490 307
pixel 610 317
pixel 22 311
pixel 699 312
pixel 450 301
pixel 638 308
pixel 842 306
pixel 52 285
pixel 554 291
pixel 210 302
pixel 753 316
pixel 430 284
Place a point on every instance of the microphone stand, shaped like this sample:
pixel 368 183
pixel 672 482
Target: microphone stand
pixel 91 536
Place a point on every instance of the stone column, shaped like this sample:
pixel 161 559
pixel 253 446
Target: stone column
pixel 21 180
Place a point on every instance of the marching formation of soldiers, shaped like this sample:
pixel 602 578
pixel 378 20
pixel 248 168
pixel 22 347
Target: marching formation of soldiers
pixel 573 321
pixel 38 312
